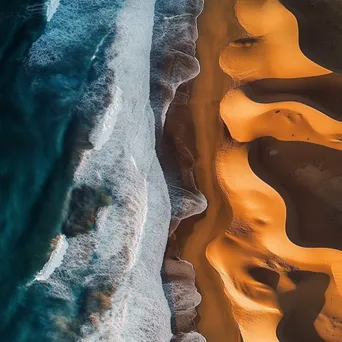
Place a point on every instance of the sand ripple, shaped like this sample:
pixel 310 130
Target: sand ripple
pixel 276 244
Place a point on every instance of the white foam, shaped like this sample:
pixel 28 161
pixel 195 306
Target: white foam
pixel 98 47
pixel 51 8
pixel 131 233
pixel 55 259
pixel 104 128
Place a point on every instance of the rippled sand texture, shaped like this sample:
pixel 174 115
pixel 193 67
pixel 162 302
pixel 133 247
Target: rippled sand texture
pixel 273 226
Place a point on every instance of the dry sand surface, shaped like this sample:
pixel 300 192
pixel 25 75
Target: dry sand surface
pixel 267 252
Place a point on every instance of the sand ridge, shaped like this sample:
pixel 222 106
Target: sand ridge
pixel 278 288
pixel 257 204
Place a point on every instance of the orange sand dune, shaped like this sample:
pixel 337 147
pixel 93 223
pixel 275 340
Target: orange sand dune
pixel 273 50
pixel 278 283
pixel 248 120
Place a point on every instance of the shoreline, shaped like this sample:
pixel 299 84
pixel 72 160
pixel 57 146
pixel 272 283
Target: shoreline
pixel 206 94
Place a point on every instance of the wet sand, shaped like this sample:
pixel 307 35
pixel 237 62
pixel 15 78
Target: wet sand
pixel 215 320
pixel 267 253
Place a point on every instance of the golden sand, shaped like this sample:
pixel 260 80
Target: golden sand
pixel 267 271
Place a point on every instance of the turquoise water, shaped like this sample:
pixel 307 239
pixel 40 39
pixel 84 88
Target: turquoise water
pixel 47 73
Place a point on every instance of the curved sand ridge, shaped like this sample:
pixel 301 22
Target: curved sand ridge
pixel 271 282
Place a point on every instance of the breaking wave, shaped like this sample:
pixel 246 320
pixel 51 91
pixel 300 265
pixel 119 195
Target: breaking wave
pixel 114 266
pixel 55 260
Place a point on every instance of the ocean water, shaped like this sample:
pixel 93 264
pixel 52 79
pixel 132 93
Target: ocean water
pixel 85 205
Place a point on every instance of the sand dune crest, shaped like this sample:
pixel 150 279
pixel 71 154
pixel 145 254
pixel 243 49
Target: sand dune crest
pixel 279 285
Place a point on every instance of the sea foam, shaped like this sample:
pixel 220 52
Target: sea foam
pixel 132 231
pixel 51 8
pixel 55 260
pixel 124 252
